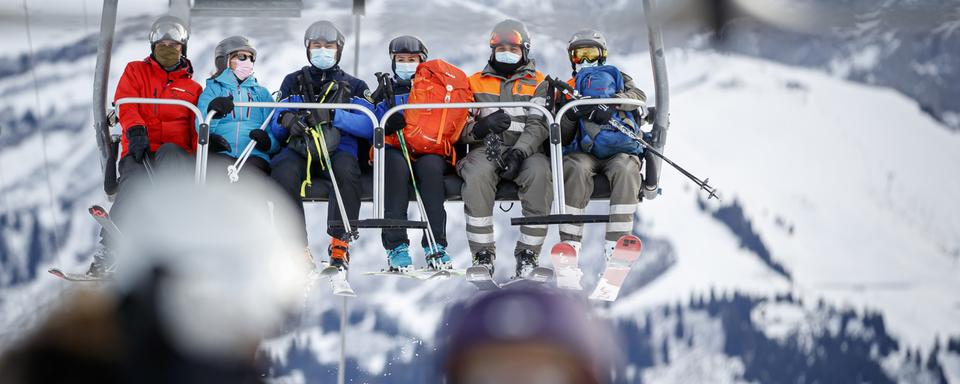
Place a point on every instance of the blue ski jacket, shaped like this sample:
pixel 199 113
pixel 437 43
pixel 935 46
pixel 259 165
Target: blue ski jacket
pixel 353 125
pixel 236 126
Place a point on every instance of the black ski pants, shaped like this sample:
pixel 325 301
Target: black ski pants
pixel 168 161
pixel 290 170
pixel 429 171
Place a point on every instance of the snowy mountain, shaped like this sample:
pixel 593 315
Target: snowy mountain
pixel 833 256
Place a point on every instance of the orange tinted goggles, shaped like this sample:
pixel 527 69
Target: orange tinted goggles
pixel 584 54
pixel 513 38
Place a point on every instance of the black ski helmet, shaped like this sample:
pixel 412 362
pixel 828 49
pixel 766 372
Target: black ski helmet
pixel 587 38
pixel 227 47
pixel 408 44
pixel 326 31
pixel 511 32
pixel 169 28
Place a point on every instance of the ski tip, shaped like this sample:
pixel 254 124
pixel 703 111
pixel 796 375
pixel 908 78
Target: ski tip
pixel 630 242
pixel 56 272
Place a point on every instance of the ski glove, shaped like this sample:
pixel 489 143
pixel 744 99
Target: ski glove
pixel 291 121
pixel 262 139
pixel 138 144
pixel 496 122
pixel 221 105
pixel 512 161
pixel 395 123
pixel 218 143
pixel 600 114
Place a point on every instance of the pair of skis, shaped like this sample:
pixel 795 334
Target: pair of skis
pixel 625 253
pixel 568 274
pixel 103 218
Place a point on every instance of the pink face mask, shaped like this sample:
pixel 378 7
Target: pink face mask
pixel 244 69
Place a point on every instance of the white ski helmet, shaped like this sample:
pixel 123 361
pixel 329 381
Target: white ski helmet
pixel 169 28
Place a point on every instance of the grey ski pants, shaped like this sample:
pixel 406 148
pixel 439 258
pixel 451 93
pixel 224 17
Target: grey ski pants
pixel 623 171
pixel 480 181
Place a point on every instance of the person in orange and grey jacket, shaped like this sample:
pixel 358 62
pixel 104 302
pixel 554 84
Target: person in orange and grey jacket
pixel 510 75
pixel 157 136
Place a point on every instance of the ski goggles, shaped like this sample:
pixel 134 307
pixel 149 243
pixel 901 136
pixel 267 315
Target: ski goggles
pixel 169 31
pixel 245 57
pixel 585 54
pixel 509 38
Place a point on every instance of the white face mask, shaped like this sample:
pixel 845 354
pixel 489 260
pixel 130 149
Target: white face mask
pixel 588 64
pixel 323 58
pixel 405 71
pixel 507 57
pixel 243 69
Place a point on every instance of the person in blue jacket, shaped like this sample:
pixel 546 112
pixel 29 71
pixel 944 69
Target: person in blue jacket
pixel 324 46
pixel 234 127
pixel 406 53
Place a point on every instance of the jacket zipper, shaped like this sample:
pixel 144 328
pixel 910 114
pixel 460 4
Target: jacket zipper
pixel 236 141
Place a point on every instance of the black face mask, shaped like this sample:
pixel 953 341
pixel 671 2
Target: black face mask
pixel 503 68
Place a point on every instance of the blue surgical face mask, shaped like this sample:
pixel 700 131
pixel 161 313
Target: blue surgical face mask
pixel 405 71
pixel 323 58
pixel 507 57
pixel 588 64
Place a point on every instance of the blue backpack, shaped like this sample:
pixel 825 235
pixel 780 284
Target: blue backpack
pixel 604 141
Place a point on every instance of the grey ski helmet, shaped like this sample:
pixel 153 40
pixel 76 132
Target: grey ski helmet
pixel 227 47
pixel 326 31
pixel 512 32
pixel 588 38
pixel 170 28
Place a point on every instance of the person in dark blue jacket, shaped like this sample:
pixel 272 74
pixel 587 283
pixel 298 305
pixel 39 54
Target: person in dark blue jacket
pixel 406 53
pixel 235 127
pixel 324 47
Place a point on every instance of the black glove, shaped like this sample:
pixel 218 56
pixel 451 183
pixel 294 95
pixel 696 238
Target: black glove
pixel 496 122
pixel 218 143
pixel 291 121
pixel 579 112
pixel 262 139
pixel 222 105
pixel 138 144
pixel 380 93
pixel 601 114
pixel 395 123
pixel 309 119
pixel 512 161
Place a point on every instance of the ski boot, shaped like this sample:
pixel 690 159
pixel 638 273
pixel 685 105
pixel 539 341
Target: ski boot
pixel 339 252
pixel 398 259
pixel 439 260
pixel 608 247
pixel 484 258
pixel 103 264
pixel 526 262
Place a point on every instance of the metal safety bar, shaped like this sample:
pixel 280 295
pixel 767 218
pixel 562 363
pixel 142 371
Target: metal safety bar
pixel 555 149
pixel 200 173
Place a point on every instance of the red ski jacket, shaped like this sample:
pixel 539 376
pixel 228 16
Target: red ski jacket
pixel 164 123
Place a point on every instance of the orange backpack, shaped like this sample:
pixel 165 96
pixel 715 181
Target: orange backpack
pixel 434 131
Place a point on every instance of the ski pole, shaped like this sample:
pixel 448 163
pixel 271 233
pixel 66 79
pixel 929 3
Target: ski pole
pixel 704 185
pixel 233 170
pixel 385 80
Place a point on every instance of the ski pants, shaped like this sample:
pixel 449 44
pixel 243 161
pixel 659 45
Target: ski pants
pixel 168 161
pixel 218 162
pixel 429 171
pixel 290 170
pixel 480 181
pixel 623 171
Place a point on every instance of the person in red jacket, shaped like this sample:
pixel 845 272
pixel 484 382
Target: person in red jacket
pixel 154 136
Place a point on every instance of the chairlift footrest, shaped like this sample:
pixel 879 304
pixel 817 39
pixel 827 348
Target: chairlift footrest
pixel 381 223
pixel 560 219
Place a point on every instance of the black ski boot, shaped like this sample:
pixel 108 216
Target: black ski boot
pixel 103 263
pixel 526 262
pixel 484 258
